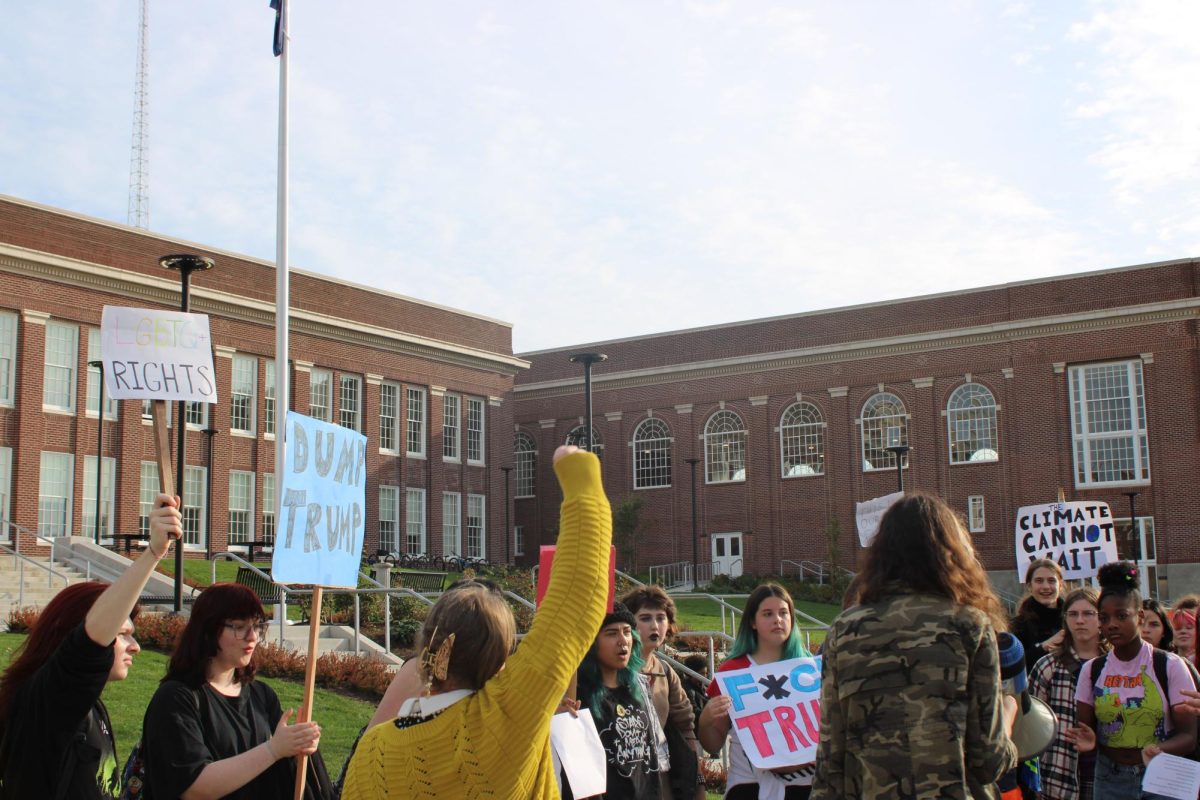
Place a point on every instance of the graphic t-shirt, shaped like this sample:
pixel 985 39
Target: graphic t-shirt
pixel 629 746
pixel 1129 702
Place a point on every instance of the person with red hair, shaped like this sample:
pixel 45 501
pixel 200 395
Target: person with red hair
pixel 56 740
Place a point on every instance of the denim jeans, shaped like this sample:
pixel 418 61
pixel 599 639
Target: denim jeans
pixel 1119 781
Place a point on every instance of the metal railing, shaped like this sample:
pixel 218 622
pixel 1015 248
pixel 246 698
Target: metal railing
pixel 680 574
pixel 19 561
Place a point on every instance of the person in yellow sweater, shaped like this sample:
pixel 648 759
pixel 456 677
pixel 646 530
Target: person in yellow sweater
pixel 480 731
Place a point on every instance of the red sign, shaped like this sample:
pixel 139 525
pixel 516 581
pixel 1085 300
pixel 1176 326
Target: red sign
pixel 546 563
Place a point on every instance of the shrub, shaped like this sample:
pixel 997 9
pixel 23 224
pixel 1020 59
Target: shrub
pixel 159 631
pixel 404 631
pixel 20 620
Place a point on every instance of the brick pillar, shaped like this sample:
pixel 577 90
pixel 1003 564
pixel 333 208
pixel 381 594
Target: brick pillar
pixel 27 457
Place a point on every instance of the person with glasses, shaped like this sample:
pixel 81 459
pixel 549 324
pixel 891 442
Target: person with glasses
pixel 1066 774
pixel 211 730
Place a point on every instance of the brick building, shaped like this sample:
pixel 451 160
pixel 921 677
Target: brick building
pixel 428 385
pixel 1087 383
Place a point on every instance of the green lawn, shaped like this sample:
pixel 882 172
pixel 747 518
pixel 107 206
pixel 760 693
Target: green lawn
pixel 340 717
pixel 701 614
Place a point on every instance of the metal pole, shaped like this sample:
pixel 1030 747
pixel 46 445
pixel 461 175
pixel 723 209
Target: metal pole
pixel 1134 539
pixel 695 532
pixel 507 523
pixel 99 445
pixel 186 264
pixel 588 359
pixel 209 432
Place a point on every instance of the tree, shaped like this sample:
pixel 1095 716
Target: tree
pixel 833 540
pixel 627 524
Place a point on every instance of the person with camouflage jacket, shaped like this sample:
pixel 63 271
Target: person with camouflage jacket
pixel 910 686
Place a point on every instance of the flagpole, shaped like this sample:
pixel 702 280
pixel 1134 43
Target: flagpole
pixel 282 371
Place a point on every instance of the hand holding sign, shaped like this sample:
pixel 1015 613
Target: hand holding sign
pixel 166 524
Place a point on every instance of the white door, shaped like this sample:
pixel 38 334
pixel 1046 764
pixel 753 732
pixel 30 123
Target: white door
pixel 727 554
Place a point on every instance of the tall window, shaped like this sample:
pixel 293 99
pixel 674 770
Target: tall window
pixel 450 425
pixel 196 415
pixel 578 437
pixel 58 388
pixel 525 458
pixel 106 497
pixel 350 406
pixel 518 540
pixel 268 507
pixel 195 490
pixel 976 518
pixel 801 441
pixel 5 491
pixel 241 393
pixel 451 523
pixel 54 494
pixel 724 448
pixel 269 397
pixel 147 491
pixel 94 378
pixel 415 421
pixel 241 506
pixel 389 518
pixel 1108 424
pixel 971 422
pixel 8 357
pixel 414 521
pixel 882 413
pixel 651 454
pixel 475 430
pixel 389 417
pixel 476 526
pixel 320 394
pixel 148 414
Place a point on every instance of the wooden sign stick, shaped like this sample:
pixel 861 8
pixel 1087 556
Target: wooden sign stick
pixel 310 681
pixel 162 446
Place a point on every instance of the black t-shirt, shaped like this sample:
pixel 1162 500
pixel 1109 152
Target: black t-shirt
pixel 58 731
pixel 629 747
pixel 187 729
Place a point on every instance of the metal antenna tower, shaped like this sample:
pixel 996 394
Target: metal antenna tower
pixel 139 156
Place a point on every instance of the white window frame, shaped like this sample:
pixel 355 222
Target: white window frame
pixel 57 520
pixel 653 466
pixel 242 389
pixel 320 394
pixel 1083 438
pixel 147 491
pixel 148 414
pixel 452 543
pixel 60 367
pixel 389 417
pixel 971 421
pixel 195 506
pixel 94 379
pixel 195 410
pixel 976 514
pixel 525 462
pixel 107 497
pixel 270 409
pixel 476 443
pixel 476 527
pixel 724 449
pixel 451 428
pixel 416 408
pixel 269 527
pixel 801 441
pixel 5 493
pixel 518 540
pixel 350 403
pixel 389 515
pixel 8 358
pixel 873 431
pixel 414 522
pixel 241 504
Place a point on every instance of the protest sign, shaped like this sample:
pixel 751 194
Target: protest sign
pixel 157 355
pixel 776 710
pixel 867 514
pixel 321 504
pixel 1078 536
pixel 576 745
pixel 546 564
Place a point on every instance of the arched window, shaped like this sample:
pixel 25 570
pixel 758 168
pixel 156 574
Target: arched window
pixel 525 459
pixel 651 454
pixel 971 419
pixel 884 424
pixel 578 437
pixel 802 440
pixel 724 448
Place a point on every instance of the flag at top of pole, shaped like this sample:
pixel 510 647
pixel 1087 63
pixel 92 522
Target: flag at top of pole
pixel 280 26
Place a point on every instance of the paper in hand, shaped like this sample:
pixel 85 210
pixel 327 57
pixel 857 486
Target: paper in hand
pixel 1172 776
pixel 577 743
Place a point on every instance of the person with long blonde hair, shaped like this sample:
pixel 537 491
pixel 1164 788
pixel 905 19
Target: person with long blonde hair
pixel 910 685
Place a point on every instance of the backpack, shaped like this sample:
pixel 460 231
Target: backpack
pixel 1160 672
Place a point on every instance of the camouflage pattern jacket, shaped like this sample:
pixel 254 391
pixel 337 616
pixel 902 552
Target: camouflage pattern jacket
pixel 910 703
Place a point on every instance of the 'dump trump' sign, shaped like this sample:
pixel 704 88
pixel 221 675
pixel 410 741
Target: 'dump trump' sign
pixel 1078 536
pixel 776 710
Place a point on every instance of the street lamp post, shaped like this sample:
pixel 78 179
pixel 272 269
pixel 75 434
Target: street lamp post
pixel 209 433
pixel 588 359
pixel 507 528
pixel 898 449
pixel 99 444
pixel 186 263
pixel 692 462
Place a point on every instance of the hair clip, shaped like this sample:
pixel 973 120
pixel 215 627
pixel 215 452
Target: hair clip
pixel 436 664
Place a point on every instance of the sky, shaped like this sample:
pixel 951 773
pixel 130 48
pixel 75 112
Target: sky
pixel 590 171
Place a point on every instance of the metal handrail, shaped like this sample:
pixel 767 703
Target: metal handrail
pixel 51 572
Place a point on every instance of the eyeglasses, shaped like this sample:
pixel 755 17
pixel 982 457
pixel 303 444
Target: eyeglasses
pixel 241 630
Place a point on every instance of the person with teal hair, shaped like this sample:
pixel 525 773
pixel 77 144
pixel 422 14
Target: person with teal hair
pixel 766 634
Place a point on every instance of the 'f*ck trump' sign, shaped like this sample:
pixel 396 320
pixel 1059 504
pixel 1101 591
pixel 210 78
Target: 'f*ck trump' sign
pixel 776 710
